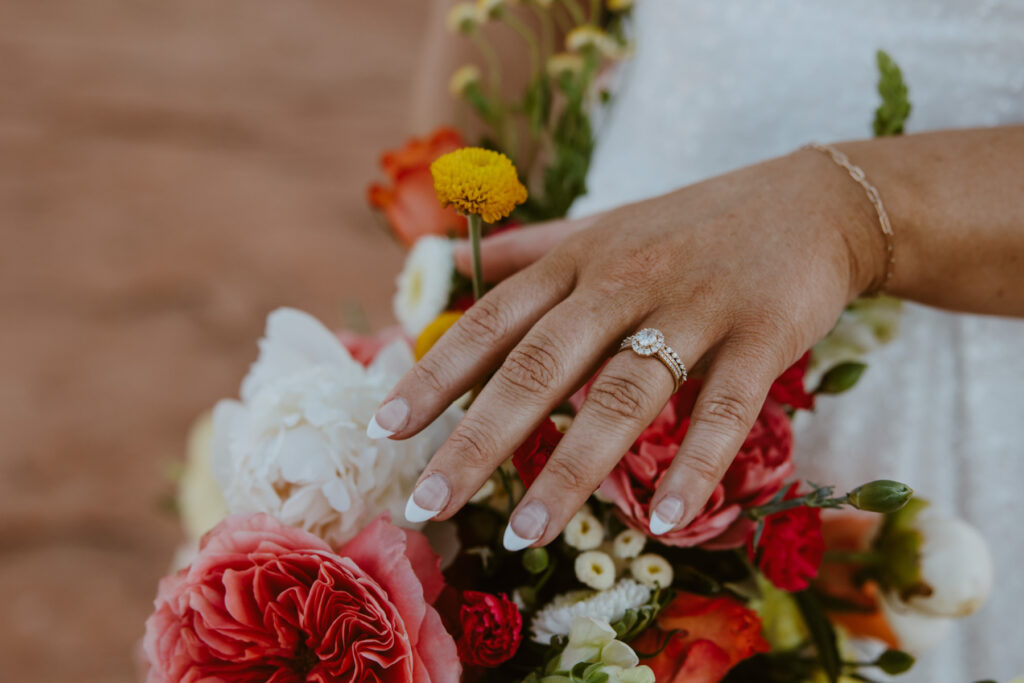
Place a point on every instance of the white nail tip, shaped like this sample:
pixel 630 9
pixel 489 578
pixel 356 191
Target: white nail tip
pixel 415 514
pixel 375 431
pixel 514 542
pixel 659 526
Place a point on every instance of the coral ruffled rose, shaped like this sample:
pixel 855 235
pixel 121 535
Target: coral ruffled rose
pixel 492 629
pixel 268 603
pixel 756 474
pixel 698 639
pixel 410 203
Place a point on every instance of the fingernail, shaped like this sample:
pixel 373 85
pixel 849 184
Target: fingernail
pixel 666 515
pixel 529 522
pixel 389 419
pixel 428 499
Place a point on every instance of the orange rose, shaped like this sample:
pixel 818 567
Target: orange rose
pixel 410 203
pixel 706 636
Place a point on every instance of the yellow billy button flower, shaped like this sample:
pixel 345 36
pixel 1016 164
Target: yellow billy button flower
pixel 434 331
pixel 478 181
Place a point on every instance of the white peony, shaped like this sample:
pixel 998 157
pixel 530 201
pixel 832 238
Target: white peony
pixel 955 562
pixel 609 606
pixel 295 446
pixel 425 284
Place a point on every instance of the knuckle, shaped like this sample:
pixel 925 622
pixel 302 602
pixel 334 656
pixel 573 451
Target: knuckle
pixel 429 373
pixel 706 466
pixel 485 323
pixel 471 447
pixel 567 472
pixel 725 410
pixel 620 397
pixel 531 367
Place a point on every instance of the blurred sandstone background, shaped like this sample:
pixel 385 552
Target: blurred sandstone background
pixel 169 172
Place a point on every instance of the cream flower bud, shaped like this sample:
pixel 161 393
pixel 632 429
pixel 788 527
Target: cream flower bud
pixel 589 36
pixel 564 63
pixel 955 563
pixel 628 544
pixel 463 77
pixel 652 570
pixel 619 5
pixel 595 569
pixel 490 9
pixel 584 531
pixel 463 18
pixel 562 422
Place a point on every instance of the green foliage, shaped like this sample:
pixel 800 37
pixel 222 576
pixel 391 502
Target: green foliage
pixel 894 662
pixel 823 635
pixel 892 113
pixel 841 378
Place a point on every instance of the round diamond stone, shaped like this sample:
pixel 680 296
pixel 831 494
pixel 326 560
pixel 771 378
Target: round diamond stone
pixel 648 341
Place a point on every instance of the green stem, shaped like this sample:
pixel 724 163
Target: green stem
pixel 547 29
pixel 493 63
pixel 475 237
pixel 595 12
pixel 857 556
pixel 576 11
pixel 527 34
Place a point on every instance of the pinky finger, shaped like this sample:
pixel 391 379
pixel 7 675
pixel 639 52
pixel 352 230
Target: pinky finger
pixel 727 406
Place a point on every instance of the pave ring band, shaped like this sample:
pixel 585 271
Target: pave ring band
pixel 651 342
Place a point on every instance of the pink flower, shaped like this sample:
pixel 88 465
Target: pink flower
pixel 270 603
pixel 756 474
pixel 364 347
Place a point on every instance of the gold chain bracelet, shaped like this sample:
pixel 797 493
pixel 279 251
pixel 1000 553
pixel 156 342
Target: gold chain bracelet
pixel 858 175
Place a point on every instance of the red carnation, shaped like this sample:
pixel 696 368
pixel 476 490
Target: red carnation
pixel 789 389
pixel 530 458
pixel 491 629
pixel 791 546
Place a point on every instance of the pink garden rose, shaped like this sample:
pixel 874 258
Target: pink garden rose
pixel 756 474
pixel 268 603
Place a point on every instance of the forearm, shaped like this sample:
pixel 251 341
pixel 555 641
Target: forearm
pixel 956 201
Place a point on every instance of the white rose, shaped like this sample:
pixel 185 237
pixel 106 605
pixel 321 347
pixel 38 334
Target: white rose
pixel 425 284
pixel 595 569
pixel 584 531
pixel 956 564
pixel 295 446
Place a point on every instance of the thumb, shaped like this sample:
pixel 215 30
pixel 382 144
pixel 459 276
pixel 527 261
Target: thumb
pixel 509 252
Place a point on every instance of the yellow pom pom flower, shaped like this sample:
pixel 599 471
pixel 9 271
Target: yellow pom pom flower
pixel 478 181
pixel 434 331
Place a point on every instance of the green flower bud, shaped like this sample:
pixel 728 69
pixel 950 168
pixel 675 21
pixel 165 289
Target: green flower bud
pixel 535 560
pixel 882 495
pixel 894 662
pixel 840 378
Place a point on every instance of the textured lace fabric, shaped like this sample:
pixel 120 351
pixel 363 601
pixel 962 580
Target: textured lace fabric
pixel 718 84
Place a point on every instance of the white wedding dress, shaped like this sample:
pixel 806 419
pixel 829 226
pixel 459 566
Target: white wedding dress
pixel 718 84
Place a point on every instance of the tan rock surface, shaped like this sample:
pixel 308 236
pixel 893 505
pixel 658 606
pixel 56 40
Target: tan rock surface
pixel 169 172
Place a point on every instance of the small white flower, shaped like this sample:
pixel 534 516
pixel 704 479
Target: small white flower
pixel 295 446
pixel 956 564
pixel 465 76
pixel 628 544
pixel 463 18
pixel 590 36
pixel 584 531
pixel 564 63
pixel 652 570
pixel 595 569
pixel 425 284
pixel 490 9
pixel 608 606
pixel 562 422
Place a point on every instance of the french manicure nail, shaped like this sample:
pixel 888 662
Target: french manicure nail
pixel 529 522
pixel 429 498
pixel 389 419
pixel 666 515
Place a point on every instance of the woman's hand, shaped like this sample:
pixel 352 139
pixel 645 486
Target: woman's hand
pixel 747 270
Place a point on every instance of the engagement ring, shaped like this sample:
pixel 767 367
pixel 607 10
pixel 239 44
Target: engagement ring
pixel 651 342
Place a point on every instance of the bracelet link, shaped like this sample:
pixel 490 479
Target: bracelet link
pixel 860 177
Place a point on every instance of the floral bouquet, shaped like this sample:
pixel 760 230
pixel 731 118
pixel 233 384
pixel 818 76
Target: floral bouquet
pixel 302 565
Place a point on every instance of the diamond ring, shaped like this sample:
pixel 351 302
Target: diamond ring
pixel 651 342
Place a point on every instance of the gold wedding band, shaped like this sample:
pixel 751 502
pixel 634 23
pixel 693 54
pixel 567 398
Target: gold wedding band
pixel 650 342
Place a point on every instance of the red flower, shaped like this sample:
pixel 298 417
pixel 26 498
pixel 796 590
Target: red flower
pixel 703 637
pixel 410 203
pixel 791 547
pixel 491 629
pixel 755 475
pixel 530 458
pixel 789 390
pixel 268 603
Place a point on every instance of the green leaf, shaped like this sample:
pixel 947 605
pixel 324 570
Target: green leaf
pixel 892 113
pixel 894 662
pixel 840 378
pixel 822 633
